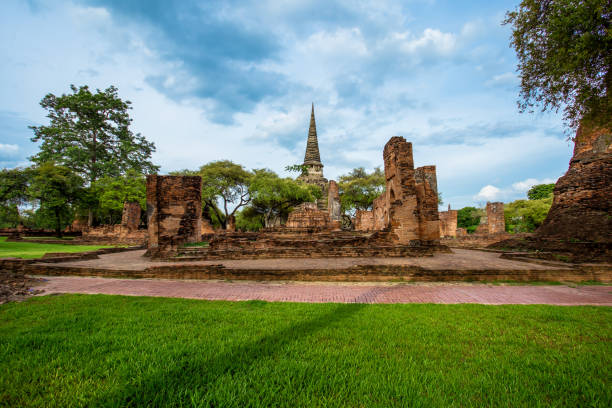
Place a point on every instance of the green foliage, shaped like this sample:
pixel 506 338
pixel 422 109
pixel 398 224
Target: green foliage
pixel 13 193
pixel 55 189
pixel 89 133
pixel 469 218
pixel 297 168
pixel 249 220
pixel 563 48
pixel 32 250
pixel 526 215
pixel 112 192
pixel 540 191
pixel 227 183
pixel 274 197
pixel 358 189
pixel 121 351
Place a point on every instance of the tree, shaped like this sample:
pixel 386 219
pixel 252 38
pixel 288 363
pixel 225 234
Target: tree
pixel 526 215
pixel 112 192
pixel 55 188
pixel 358 189
pixel 540 191
pixel 13 193
pixel 469 218
pixel 563 48
pixel 274 197
pixel 89 133
pixel 227 183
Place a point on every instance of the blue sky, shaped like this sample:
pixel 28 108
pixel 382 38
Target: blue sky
pixel 234 80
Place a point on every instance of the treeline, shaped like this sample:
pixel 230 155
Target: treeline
pixel 520 215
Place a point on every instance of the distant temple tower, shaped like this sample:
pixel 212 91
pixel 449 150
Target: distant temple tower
pixel 312 158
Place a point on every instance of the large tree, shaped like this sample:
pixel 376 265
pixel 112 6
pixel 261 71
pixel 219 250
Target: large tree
pixel 273 197
pixel 55 189
pixel 563 48
pixel 225 184
pixel 358 189
pixel 89 133
pixel 113 192
pixel 13 193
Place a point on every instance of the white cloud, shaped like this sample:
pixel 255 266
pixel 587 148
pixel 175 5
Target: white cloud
pixel 488 193
pixel 523 186
pixel 8 148
pixel 431 40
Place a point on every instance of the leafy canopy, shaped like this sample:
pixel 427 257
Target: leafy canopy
pixel 358 189
pixel 89 133
pixel 469 218
pixel 526 215
pixel 55 189
pixel 540 191
pixel 563 48
pixel 112 192
pixel 274 197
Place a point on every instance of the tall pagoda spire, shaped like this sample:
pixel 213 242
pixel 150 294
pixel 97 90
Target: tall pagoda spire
pixel 312 145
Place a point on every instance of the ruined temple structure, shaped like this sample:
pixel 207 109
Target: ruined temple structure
pixel 329 204
pixel 125 233
pixel 174 212
pixel 582 203
pixel 404 221
pixel 408 209
pixel 494 221
pixel 448 223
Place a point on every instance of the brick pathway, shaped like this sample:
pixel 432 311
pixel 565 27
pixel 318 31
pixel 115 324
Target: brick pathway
pixel 331 292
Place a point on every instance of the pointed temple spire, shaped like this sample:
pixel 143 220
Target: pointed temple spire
pixel 312 145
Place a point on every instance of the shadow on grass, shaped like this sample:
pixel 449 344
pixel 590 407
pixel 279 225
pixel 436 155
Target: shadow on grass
pixel 177 384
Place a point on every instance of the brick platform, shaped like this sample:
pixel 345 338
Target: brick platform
pixel 340 293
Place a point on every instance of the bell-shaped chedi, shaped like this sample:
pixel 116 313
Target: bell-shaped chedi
pixel 582 204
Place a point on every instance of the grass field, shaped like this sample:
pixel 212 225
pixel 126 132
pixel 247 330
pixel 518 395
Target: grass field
pixel 83 350
pixel 30 250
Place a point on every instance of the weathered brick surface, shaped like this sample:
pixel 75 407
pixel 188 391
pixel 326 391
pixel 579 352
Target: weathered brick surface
pixel 448 223
pixel 308 215
pixel 427 195
pixel 207 227
pixel 114 234
pixel 333 201
pixel 364 220
pixel 582 204
pixel 493 222
pixel 174 212
pixel 131 215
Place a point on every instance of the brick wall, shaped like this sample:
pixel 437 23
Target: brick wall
pixel 448 223
pixel 131 215
pixel 174 211
pixel 333 201
pixel 495 218
pixel 308 215
pixel 364 220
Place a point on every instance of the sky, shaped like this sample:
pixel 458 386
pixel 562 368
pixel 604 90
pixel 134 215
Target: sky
pixel 214 80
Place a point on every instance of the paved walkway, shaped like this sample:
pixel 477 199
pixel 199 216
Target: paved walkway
pixel 459 259
pixel 335 292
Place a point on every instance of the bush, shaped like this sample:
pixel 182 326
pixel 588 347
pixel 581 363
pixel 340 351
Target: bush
pixel 526 215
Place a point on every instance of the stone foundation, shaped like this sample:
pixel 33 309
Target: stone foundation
pixel 174 212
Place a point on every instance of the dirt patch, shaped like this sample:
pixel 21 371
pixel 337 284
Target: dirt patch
pixel 16 286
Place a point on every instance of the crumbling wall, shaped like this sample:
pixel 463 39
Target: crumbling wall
pixel 114 234
pixel 131 215
pixel 380 211
pixel 427 196
pixel 582 203
pixel 333 201
pixel 207 227
pixel 174 211
pixel 364 220
pixel 495 218
pixel 308 215
pixel 448 223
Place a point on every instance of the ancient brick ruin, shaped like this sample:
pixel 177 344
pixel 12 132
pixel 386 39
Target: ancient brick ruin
pixel 582 204
pixel 408 209
pixel 493 222
pixel 174 212
pixel 131 215
pixel 448 223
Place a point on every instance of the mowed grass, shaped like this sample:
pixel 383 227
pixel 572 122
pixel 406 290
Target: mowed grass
pixel 83 350
pixel 30 250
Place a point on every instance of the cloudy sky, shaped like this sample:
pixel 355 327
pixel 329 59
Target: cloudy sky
pixel 234 80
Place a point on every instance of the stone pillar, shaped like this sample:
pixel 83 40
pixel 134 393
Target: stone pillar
pixel 495 218
pixel 427 194
pixel 174 212
pixel 333 201
pixel 403 214
pixel 131 215
pixel 448 223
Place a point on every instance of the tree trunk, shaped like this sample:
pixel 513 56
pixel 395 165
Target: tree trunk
pixel 58 223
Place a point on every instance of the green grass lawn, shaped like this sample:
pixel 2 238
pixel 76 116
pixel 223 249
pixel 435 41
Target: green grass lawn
pixel 83 350
pixel 31 250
